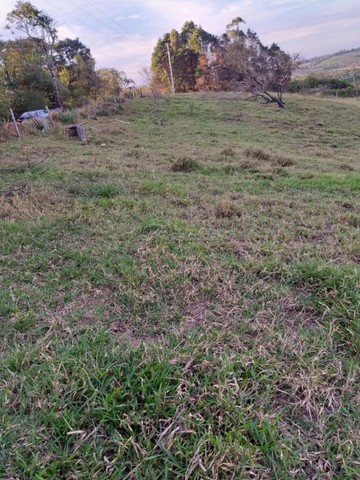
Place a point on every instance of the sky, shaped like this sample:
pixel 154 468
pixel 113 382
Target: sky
pixel 122 33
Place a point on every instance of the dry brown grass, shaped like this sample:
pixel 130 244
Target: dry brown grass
pixel 185 165
pixel 228 210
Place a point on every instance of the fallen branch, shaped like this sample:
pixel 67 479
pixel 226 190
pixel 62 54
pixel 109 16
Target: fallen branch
pixel 32 165
pixel 14 188
pixel 122 121
pixel 29 166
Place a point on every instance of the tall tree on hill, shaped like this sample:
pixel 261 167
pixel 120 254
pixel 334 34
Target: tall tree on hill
pixel 188 55
pixel 254 67
pixel 76 69
pixel 237 60
pixel 111 82
pixel 41 30
pixel 26 84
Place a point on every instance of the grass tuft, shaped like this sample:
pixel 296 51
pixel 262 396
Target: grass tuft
pixel 258 154
pixel 228 210
pixel 185 165
pixel 105 190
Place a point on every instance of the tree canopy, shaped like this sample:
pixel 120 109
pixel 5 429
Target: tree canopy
pixel 188 49
pixel 235 60
pixel 38 69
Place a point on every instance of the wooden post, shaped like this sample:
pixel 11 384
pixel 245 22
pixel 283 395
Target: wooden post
pixel 171 70
pixel 77 131
pixel 51 119
pixel 80 130
pixel 15 124
pixel 94 111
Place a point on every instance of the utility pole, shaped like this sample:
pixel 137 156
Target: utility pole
pixel 171 71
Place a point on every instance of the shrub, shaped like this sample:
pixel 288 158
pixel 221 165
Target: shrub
pixel 327 86
pixel 67 118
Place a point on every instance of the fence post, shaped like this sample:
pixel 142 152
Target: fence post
pixel 15 124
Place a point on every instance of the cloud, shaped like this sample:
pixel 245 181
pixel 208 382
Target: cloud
pixel 302 32
pixel 123 34
pixel 129 17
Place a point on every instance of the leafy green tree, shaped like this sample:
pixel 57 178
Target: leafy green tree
pixel 237 60
pixel 26 84
pixel 111 82
pixel 41 30
pixel 76 70
pixel 188 56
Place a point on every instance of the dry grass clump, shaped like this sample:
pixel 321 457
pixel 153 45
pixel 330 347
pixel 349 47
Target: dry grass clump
pixel 246 164
pixel 321 153
pixel 258 154
pixel 185 165
pixel 347 167
pixel 227 152
pixel 7 131
pixel 30 128
pixel 24 203
pixel 228 210
pixel 275 159
pixel 282 161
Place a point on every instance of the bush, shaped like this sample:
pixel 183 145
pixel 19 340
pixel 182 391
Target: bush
pixel 29 100
pixel 329 86
pixel 350 91
pixel 68 117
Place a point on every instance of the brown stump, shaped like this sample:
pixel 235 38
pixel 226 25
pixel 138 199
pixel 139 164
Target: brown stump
pixel 77 131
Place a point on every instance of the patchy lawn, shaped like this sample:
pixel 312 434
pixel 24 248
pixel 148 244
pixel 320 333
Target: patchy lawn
pixel 180 298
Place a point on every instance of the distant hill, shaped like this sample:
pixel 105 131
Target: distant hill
pixel 344 64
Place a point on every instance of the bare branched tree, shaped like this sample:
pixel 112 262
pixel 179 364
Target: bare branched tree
pixel 255 68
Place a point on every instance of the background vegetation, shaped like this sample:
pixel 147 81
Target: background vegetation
pixel 37 69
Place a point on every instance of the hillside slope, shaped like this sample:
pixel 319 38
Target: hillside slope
pixel 180 296
pixel 344 64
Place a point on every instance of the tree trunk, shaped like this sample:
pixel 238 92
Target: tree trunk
pixel 277 100
pixel 58 102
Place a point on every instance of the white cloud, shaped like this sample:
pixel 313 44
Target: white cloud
pixel 302 32
pixel 129 17
pixel 123 34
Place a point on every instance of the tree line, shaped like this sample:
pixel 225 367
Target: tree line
pixel 235 60
pixel 38 69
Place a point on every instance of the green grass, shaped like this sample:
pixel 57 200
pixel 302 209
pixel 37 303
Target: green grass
pixel 184 302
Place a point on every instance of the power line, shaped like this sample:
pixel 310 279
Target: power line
pixel 109 18
pixel 85 13
pixel 99 20
pixel 69 14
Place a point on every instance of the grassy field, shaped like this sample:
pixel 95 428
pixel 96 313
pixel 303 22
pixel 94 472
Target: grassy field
pixel 180 297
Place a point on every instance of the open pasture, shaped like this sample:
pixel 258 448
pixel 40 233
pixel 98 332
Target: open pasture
pixel 180 297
